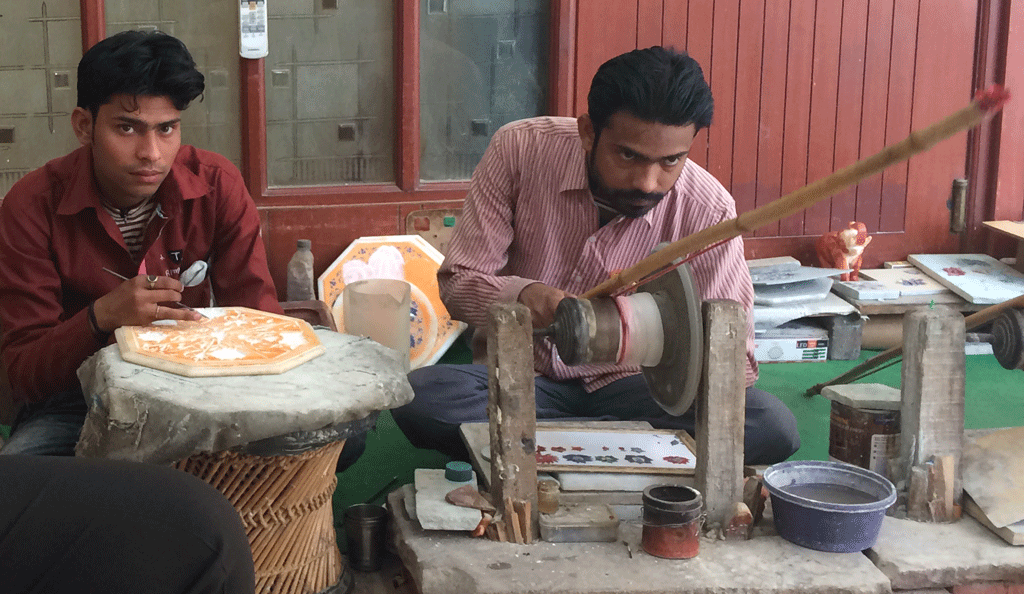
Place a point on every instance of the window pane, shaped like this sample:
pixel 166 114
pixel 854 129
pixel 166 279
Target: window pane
pixel 482 64
pixel 330 92
pixel 209 29
pixel 42 43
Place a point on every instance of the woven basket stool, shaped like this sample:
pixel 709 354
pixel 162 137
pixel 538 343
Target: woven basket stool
pixel 285 505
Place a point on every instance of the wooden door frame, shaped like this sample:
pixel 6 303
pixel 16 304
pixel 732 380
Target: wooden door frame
pixel 995 163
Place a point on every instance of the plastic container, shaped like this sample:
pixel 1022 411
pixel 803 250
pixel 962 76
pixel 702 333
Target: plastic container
pixel 300 273
pixel 672 520
pixel 379 309
pixel 580 523
pixel 828 506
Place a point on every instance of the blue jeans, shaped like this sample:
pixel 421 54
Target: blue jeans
pixel 48 428
pixel 449 395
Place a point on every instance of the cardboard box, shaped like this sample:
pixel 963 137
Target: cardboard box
pixel 791 342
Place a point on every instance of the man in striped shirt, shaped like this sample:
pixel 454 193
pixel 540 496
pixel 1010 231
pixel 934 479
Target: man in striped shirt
pixel 558 204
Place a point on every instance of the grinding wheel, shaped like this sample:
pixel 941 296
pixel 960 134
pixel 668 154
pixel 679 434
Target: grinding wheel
pixel 590 331
pixel 674 381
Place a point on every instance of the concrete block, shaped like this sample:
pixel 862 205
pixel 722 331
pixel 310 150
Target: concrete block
pixel 446 562
pixel 926 555
pixel 432 511
pixel 989 588
pixel 844 337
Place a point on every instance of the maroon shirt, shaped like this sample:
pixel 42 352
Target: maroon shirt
pixel 56 238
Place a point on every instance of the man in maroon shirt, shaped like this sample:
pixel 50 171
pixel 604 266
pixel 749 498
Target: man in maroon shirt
pixel 177 222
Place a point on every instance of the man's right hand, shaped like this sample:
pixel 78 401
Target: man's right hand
pixel 542 301
pixel 137 302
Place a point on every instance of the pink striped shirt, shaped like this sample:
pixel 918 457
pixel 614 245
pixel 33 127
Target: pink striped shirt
pixel 529 216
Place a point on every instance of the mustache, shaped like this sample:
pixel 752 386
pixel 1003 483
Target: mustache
pixel 610 195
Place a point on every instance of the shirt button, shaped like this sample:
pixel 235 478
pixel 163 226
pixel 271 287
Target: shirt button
pixel 579 278
pixel 591 239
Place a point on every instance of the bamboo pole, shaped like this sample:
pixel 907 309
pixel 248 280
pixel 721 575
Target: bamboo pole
pixel 985 104
pixel 868 367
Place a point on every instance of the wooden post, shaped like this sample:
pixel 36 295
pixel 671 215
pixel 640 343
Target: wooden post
pixel 932 413
pixel 512 411
pixel 721 410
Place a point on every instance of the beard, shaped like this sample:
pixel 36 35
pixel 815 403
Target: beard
pixel 631 204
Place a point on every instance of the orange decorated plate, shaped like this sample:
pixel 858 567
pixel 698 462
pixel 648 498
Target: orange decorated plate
pixel 231 341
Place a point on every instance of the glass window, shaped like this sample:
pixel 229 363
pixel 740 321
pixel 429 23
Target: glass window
pixel 209 29
pixel 330 92
pixel 482 64
pixel 42 43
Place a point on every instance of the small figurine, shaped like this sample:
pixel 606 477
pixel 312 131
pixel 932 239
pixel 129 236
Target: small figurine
pixel 844 249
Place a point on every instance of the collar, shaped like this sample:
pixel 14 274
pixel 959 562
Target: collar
pixel 82 191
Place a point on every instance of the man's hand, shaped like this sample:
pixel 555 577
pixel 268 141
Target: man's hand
pixel 542 301
pixel 137 302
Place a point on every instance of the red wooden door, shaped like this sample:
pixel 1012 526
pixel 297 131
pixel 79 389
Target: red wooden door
pixel 803 88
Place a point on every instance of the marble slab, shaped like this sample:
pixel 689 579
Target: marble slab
pixel 146 415
pixel 978 278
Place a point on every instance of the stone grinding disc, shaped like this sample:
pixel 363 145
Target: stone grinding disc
pixel 674 381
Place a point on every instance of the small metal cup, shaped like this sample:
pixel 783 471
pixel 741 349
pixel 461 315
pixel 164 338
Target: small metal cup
pixel 364 532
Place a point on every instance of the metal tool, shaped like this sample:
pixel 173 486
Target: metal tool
pixel 591 331
pixel 178 303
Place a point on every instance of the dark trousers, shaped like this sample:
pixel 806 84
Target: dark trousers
pixel 80 526
pixel 449 395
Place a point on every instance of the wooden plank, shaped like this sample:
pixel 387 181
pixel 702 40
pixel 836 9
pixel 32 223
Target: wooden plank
pixel 876 96
pixel 675 15
pixel 1010 183
pixel 824 91
pixel 562 58
pixel 748 98
pixel 722 78
pixel 648 22
pixel 942 79
pixel 771 127
pixel 721 410
pixel 604 30
pixel 899 109
pixel 407 96
pixel 511 406
pixel 798 98
pixel 699 46
pixel 849 117
pixel 932 411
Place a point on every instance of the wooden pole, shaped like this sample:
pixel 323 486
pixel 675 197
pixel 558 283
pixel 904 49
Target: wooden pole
pixel 512 411
pixel 868 367
pixel 720 410
pixel 985 104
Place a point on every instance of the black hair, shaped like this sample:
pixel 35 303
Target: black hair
pixel 137 62
pixel 655 85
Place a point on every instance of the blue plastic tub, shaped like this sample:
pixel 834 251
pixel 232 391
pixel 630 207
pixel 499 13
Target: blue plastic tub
pixel 828 506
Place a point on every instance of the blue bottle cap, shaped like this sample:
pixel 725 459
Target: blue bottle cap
pixel 458 472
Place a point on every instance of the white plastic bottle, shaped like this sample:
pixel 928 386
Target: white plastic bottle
pixel 300 273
